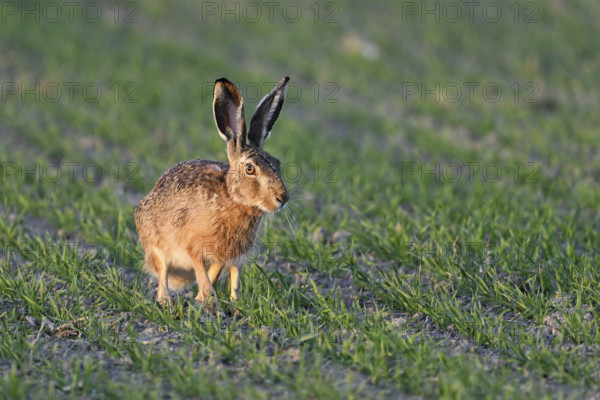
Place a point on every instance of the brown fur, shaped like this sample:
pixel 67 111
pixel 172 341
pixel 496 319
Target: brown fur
pixel 203 216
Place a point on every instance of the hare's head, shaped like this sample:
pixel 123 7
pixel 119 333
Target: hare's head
pixel 254 177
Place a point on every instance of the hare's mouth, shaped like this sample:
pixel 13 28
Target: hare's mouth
pixel 278 203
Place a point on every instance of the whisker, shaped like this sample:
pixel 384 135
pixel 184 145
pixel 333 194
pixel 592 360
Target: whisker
pixel 299 206
pixel 290 224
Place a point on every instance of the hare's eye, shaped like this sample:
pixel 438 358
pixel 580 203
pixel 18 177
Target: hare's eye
pixel 250 170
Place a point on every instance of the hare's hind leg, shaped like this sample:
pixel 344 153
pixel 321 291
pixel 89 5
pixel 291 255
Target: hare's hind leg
pixel 234 281
pixel 157 263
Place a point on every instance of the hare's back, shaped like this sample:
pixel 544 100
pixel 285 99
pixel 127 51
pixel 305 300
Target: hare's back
pixel 182 186
pixel 192 174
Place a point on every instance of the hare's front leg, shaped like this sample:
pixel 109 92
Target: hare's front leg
pixel 214 272
pixel 205 289
pixel 234 281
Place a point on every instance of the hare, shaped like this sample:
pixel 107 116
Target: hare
pixel 203 216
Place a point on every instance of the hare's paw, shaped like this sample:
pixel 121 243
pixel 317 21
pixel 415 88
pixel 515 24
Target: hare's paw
pixel 231 309
pixel 235 312
pixel 163 298
pixel 204 292
pixel 210 304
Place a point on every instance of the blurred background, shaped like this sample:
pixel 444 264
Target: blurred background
pixel 442 237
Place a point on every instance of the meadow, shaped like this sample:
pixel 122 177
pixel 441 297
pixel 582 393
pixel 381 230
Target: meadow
pixel 442 238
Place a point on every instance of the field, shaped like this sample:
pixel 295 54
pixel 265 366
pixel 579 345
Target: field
pixel 442 239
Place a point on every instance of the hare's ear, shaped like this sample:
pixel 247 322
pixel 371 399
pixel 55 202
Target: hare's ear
pixel 266 114
pixel 228 107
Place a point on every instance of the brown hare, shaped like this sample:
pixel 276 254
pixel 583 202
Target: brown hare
pixel 203 216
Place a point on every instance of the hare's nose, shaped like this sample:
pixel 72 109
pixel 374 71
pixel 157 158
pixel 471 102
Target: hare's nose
pixel 282 198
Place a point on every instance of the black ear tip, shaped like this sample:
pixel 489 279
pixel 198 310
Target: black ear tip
pixel 222 80
pixel 282 83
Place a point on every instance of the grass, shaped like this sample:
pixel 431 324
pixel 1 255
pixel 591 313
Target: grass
pixel 440 243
